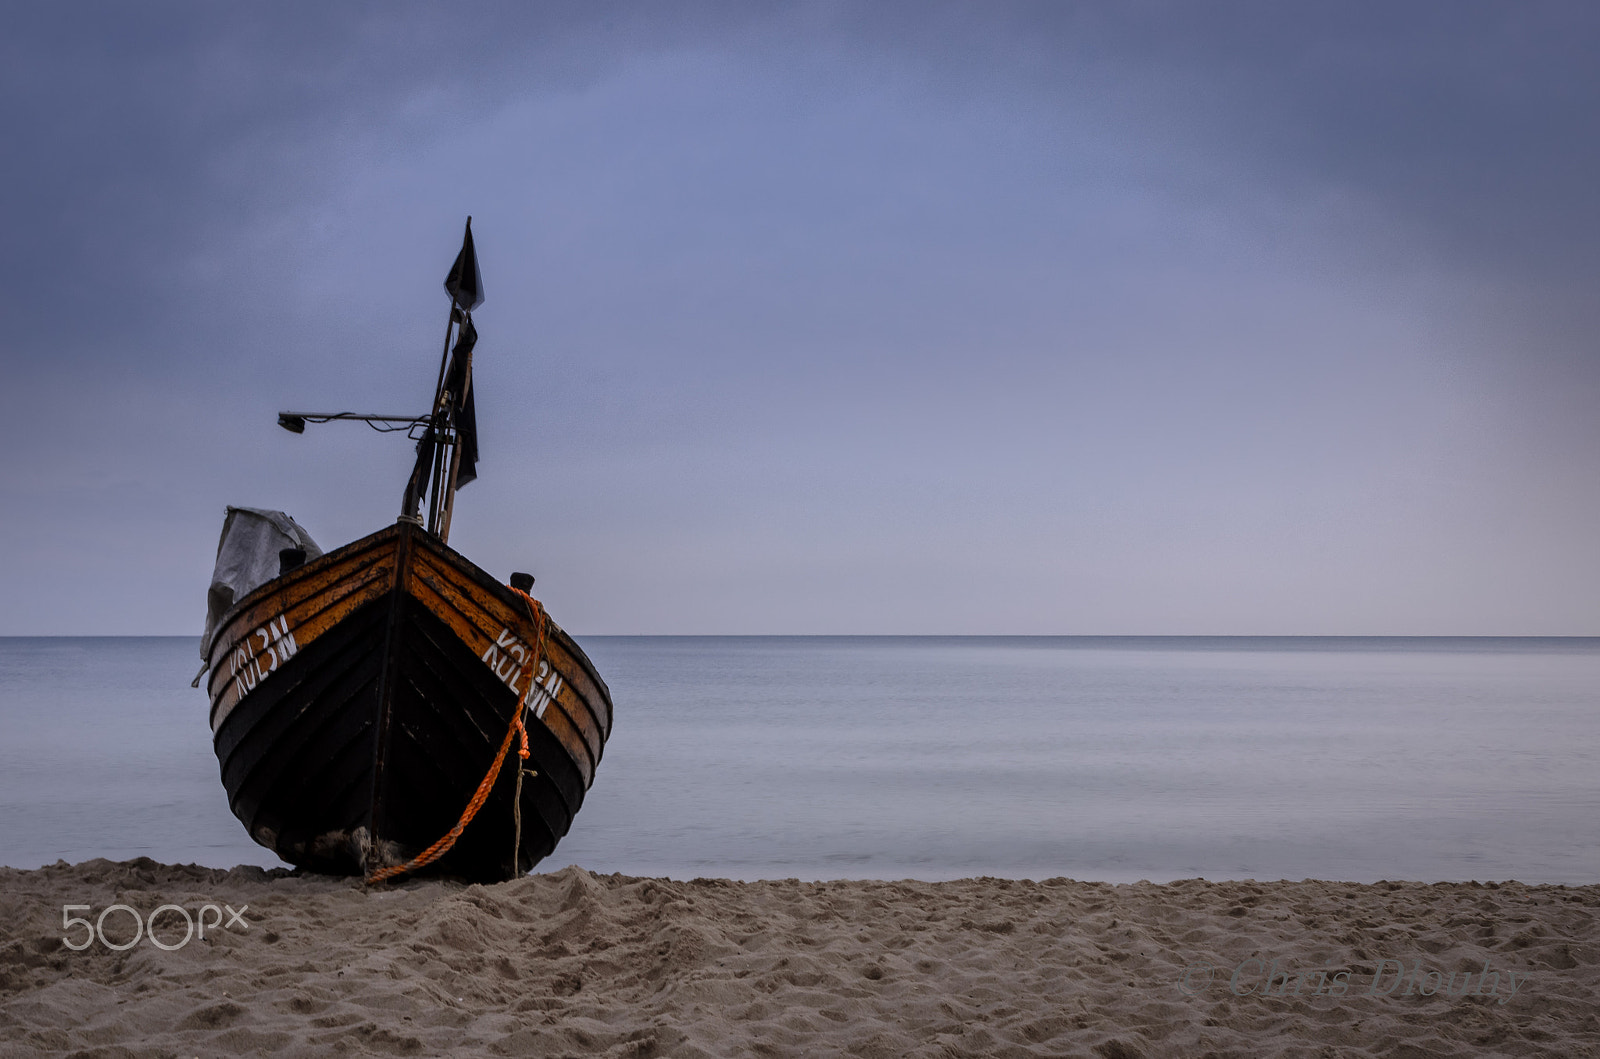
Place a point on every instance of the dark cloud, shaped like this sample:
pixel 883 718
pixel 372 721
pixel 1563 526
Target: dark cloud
pixel 138 135
pixel 1470 120
pixel 143 137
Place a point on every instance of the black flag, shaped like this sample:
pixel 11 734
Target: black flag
pixel 459 383
pixel 463 283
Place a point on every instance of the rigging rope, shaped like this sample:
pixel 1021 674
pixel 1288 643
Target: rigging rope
pixel 446 841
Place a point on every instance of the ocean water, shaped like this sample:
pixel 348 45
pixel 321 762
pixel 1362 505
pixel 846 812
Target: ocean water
pixel 1113 759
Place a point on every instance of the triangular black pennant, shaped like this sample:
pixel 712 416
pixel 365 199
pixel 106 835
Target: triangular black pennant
pixel 463 284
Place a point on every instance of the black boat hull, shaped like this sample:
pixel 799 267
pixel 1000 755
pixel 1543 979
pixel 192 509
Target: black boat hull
pixel 383 691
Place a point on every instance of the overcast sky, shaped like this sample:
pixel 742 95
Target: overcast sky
pixel 823 318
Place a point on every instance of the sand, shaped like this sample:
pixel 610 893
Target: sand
pixel 570 963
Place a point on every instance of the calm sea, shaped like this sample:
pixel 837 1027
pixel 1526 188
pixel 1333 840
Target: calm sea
pixel 862 757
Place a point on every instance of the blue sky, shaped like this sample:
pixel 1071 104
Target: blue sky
pixel 823 318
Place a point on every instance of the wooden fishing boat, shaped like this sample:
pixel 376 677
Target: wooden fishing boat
pixel 389 707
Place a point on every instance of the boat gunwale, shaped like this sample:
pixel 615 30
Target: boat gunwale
pixel 485 580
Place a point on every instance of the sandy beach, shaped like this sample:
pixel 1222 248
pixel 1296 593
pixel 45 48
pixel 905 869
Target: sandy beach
pixel 571 963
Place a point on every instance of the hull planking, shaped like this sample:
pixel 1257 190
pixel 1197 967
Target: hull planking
pixel 357 702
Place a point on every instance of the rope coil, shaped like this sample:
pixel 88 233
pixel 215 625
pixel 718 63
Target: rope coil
pixel 481 795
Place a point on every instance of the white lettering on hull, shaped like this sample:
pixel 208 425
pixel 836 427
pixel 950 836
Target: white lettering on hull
pixel 508 656
pixel 250 668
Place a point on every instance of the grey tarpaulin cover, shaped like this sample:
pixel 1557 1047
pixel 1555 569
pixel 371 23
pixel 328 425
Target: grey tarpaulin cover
pixel 247 556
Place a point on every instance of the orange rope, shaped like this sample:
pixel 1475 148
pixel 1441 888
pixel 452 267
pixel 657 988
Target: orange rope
pixel 443 845
pixel 536 614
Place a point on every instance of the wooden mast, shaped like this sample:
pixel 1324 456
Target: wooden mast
pixel 455 464
pixel 437 470
pixel 437 426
